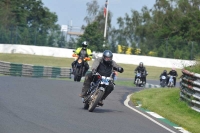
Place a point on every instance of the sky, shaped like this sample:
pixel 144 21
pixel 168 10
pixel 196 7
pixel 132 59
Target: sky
pixel 72 12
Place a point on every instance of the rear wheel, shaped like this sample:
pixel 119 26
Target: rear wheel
pixel 95 100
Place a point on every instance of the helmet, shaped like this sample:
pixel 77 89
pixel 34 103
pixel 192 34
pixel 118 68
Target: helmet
pixel 107 56
pixel 84 44
pixel 173 68
pixel 165 71
pixel 141 64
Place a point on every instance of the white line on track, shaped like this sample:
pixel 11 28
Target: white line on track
pixel 126 104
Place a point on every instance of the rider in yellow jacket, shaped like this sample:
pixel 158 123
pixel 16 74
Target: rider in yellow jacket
pixel 85 53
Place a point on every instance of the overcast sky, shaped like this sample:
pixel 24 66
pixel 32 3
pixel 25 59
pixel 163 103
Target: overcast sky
pixel 75 10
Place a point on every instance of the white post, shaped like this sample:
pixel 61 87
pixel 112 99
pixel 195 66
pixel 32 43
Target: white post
pixel 106 21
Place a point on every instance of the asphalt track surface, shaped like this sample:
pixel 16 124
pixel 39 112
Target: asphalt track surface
pixel 37 105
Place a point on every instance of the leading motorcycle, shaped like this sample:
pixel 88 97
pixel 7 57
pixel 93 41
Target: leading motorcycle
pixel 97 90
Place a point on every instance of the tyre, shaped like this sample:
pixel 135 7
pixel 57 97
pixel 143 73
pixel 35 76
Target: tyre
pixel 78 74
pixel 137 83
pixel 162 83
pixel 94 102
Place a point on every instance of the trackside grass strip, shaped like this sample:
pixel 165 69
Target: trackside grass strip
pixel 167 103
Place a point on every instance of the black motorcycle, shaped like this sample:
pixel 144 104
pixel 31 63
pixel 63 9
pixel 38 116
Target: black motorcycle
pixel 79 69
pixel 96 91
pixel 163 81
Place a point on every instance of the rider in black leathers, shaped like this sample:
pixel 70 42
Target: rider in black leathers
pixel 104 66
pixel 143 70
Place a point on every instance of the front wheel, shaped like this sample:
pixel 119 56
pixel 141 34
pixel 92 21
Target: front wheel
pixel 137 83
pixel 78 74
pixel 162 83
pixel 95 100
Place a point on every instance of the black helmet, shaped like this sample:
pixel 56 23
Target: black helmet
pixel 107 56
pixel 84 44
pixel 165 71
pixel 141 64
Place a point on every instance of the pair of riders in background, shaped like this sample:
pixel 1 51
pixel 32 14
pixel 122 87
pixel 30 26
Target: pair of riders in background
pixel 172 73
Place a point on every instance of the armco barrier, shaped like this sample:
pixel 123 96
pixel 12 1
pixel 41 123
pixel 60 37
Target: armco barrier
pixel 27 70
pixel 190 89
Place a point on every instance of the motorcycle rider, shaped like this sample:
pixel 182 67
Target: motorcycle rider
pixel 84 52
pixel 104 66
pixel 141 68
pixel 164 73
pixel 174 74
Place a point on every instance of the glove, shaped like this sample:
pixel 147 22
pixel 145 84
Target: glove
pixel 120 69
pixel 94 71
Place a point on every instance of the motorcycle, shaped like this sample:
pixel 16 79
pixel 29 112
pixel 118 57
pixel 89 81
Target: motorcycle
pixel 171 81
pixel 163 81
pixel 96 91
pixel 79 69
pixel 139 81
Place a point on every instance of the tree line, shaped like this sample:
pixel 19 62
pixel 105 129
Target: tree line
pixel 28 22
pixel 170 29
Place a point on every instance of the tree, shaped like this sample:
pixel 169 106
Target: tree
pixel 27 18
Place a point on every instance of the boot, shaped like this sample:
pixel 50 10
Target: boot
pixel 100 103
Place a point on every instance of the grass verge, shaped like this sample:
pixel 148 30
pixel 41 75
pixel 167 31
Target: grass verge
pixel 167 103
pixel 154 72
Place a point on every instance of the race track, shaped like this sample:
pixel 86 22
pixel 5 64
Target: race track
pixel 37 105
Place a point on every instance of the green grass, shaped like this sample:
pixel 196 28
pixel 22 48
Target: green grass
pixel 124 83
pixel 195 68
pixel 154 72
pixel 167 103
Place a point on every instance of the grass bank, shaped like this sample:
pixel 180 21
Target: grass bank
pixel 168 104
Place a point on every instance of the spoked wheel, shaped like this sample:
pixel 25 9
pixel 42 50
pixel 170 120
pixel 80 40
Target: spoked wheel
pixel 95 100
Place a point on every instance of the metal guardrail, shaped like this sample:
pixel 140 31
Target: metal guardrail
pixel 190 89
pixel 27 70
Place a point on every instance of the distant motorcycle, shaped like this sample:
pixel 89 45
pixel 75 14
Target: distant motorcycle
pixel 97 90
pixel 163 81
pixel 171 81
pixel 79 68
pixel 139 82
